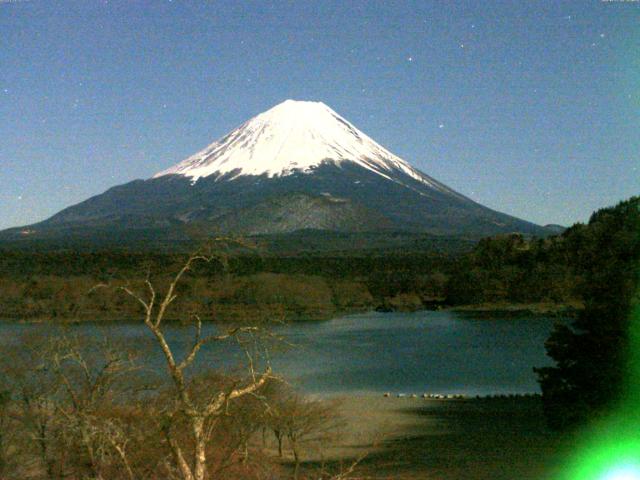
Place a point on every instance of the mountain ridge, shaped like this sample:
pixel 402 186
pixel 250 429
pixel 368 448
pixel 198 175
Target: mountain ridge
pixel 296 166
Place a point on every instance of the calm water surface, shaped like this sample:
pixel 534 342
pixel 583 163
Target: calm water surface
pixel 435 352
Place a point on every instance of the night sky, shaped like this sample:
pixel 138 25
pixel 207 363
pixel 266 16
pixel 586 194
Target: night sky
pixel 530 108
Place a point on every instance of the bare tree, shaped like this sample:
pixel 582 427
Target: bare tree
pixel 308 421
pixel 200 412
pixel 91 375
pixel 31 387
pixel 110 438
pixel 62 388
pixel 300 421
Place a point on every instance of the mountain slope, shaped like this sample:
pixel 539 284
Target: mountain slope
pixel 297 166
pixel 294 136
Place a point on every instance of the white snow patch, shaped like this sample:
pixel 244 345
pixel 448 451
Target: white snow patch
pixel 294 136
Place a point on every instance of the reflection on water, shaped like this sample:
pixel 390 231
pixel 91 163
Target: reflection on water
pixel 435 352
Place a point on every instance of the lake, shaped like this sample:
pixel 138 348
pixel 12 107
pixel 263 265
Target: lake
pixel 432 352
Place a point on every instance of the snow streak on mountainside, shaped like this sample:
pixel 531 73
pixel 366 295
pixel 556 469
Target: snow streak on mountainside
pixel 295 136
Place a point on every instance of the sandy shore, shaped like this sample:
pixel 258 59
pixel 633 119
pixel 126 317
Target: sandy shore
pixel 372 419
pixel 411 438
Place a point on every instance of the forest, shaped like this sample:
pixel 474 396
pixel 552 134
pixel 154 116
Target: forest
pixel 510 273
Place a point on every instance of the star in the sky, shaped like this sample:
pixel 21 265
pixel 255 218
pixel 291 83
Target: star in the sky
pixel 409 59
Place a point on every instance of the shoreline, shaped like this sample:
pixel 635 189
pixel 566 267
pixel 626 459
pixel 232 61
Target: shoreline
pixel 498 309
pixel 410 438
pixel 568 309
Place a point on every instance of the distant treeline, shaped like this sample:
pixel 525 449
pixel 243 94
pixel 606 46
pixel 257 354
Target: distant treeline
pixel 512 269
pixel 57 285
pixel 498 273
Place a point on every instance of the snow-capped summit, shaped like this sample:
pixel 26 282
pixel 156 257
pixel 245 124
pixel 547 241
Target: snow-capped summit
pixel 293 136
pixel 296 167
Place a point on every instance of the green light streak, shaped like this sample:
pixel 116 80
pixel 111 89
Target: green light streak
pixel 611 450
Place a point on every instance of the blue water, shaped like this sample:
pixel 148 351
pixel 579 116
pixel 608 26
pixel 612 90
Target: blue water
pixel 434 352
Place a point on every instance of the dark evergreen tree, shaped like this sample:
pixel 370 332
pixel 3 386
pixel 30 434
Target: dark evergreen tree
pixel 591 353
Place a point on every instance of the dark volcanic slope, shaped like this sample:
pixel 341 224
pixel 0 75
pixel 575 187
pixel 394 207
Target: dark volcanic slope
pixel 341 198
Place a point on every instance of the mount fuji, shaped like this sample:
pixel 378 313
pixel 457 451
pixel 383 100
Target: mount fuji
pixel 298 166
